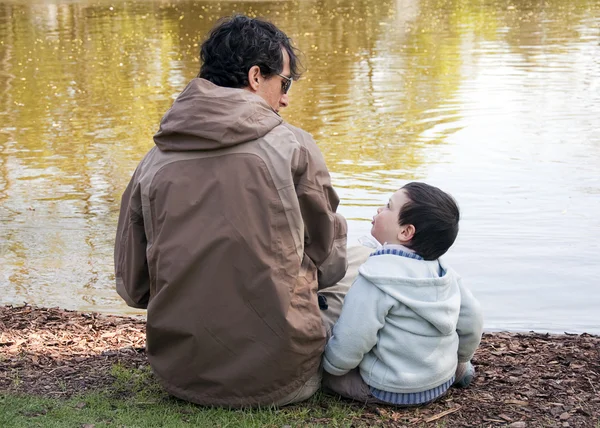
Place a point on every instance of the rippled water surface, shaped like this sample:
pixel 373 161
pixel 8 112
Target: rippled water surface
pixel 497 102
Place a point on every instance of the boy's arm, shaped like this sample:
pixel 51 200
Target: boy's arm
pixel 131 265
pixel 355 333
pixel 324 230
pixel 470 325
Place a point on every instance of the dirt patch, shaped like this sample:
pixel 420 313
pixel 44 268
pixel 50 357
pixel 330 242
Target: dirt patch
pixel 58 353
pixel 523 380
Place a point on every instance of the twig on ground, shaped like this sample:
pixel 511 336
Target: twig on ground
pixel 441 415
pixel 591 384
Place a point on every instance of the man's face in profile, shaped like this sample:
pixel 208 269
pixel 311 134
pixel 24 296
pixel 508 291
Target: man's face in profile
pixel 271 88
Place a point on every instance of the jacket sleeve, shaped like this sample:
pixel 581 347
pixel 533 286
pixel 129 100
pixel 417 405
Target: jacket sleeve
pixel 131 265
pixel 325 231
pixel 469 326
pixel 355 333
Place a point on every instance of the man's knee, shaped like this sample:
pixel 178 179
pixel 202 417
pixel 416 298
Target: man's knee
pixel 303 393
pixel 335 295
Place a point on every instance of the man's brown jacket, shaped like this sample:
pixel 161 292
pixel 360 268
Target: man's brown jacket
pixel 226 231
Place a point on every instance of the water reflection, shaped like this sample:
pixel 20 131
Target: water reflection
pixel 496 102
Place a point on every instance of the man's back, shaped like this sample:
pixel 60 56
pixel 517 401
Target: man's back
pixel 226 221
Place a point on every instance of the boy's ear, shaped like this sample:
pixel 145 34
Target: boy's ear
pixel 406 233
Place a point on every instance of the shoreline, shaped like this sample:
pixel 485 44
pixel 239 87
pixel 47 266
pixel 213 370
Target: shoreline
pixel 140 314
pixel 539 379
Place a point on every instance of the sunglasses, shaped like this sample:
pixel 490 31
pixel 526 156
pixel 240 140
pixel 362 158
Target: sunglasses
pixel 286 84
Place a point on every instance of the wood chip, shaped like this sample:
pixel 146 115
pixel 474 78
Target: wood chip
pixel 564 416
pixel 517 402
pixel 63 354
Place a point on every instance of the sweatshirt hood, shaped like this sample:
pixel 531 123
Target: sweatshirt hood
pixel 429 288
pixel 209 117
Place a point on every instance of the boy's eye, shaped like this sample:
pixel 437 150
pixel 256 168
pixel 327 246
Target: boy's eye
pixel 387 205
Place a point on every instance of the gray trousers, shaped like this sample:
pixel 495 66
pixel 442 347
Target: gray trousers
pixel 335 299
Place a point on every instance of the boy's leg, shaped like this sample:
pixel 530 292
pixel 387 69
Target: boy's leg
pixel 335 294
pixel 464 375
pixel 351 385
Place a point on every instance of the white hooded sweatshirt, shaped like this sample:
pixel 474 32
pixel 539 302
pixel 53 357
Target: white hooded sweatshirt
pixel 406 323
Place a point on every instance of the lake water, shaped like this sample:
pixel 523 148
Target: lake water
pixel 496 102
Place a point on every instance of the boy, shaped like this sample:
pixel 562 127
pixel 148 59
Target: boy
pixel 408 327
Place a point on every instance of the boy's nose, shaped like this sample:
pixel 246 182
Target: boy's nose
pixel 379 210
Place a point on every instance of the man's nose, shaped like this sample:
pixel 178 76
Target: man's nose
pixel 284 101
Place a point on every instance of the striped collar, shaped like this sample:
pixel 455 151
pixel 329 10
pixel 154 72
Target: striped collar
pixel 395 249
pixel 398 251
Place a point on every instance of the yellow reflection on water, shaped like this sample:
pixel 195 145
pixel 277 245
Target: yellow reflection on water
pixel 83 86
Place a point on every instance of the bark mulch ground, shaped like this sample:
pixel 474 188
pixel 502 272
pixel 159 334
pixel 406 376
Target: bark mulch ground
pixel 523 380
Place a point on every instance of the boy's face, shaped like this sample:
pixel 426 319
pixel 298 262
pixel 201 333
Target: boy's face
pixel 385 223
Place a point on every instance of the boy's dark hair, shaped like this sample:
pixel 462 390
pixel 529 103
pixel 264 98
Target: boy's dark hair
pixel 435 216
pixel 238 43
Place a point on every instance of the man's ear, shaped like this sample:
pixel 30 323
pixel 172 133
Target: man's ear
pixel 254 78
pixel 407 231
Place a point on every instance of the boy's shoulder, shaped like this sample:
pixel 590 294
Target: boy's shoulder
pixel 446 267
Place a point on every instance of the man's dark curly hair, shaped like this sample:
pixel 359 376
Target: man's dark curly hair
pixel 435 216
pixel 238 43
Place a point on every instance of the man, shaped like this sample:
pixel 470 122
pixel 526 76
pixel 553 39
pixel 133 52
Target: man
pixel 228 229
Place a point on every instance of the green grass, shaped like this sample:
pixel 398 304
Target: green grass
pixel 100 410
pixel 136 400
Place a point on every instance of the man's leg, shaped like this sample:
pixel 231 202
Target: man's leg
pixel 335 298
pixel 306 391
pixel 350 385
pixel 335 294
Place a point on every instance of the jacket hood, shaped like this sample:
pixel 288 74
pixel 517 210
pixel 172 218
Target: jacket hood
pixel 428 288
pixel 209 117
